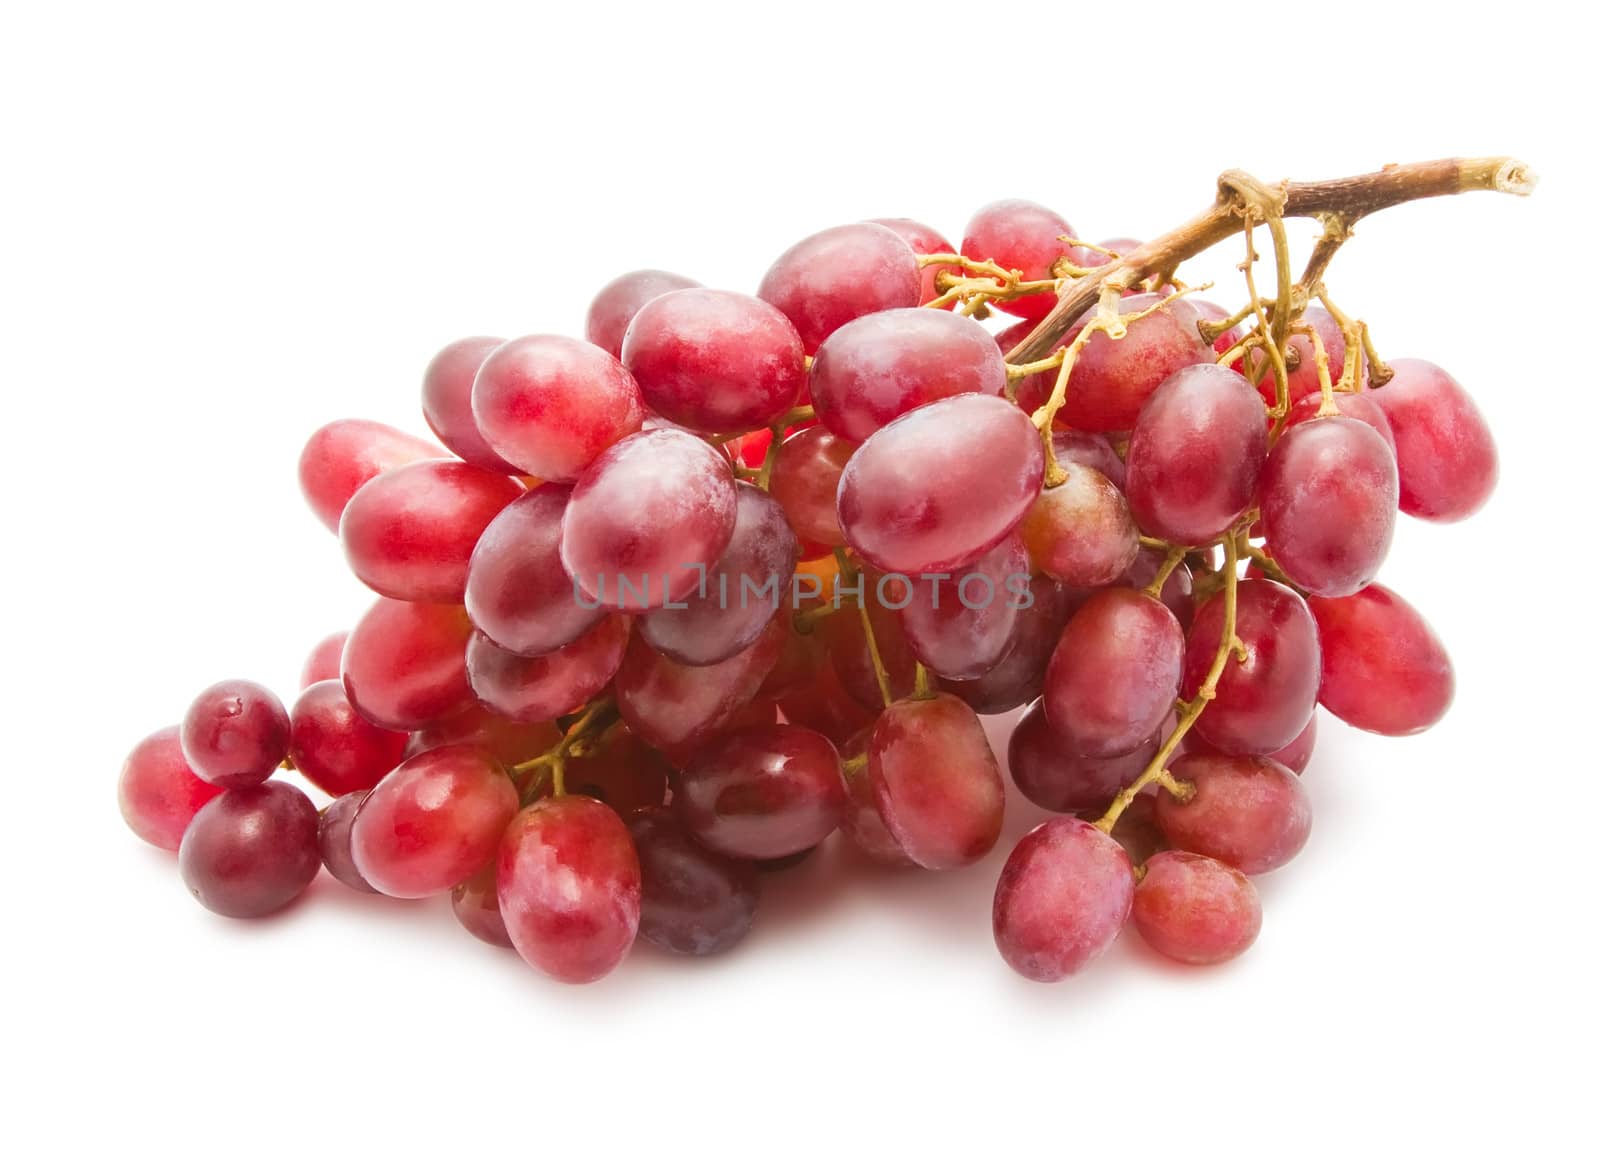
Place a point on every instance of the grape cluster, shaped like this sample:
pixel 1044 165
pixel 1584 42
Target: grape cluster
pixel 676 602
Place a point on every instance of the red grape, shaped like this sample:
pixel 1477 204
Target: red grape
pixel 621 771
pixel 409 532
pixel 1263 702
pixel 405 664
pixel 447 402
pixel 1195 455
pixel 1112 380
pixel 323 662
pixel 1362 406
pixel 614 307
pixel 691 901
pixel 158 793
pixel 647 520
pixel 962 625
pixel 861 823
pixel 805 481
pixel 846 639
pixel 715 361
pixel 334 748
pixel 569 887
pixel 235 734
pixel 1383 668
pixel 741 592
pixel 1297 754
pixel 1114 673
pixel 1329 494
pixel 433 822
pixel 1063 896
pixel 1050 775
pixel 1019 234
pixel 342 456
pixel 935 781
pixel 1081 532
pixel 1447 459
pixel 1194 909
pixel 941 485
pixel 1177 593
pixel 877 368
pixel 840 274
pixel 1249 812
pixel 828 707
pixel 1303 379
pixel 1091 449
pixel 250 852
pixel 550 405
pixel 507 741
pixel 528 689
pixel 1137 830
pixel 762 793
pixel 798 663
pixel 333 840
pixel 476 903
pixel 1019 677
pixel 924 241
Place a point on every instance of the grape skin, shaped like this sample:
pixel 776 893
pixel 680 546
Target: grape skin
pixel 1447 458
pixel 1081 532
pixel 692 902
pixel 924 241
pixel 334 825
pixel 805 481
pixel 614 307
pixel 476 904
pixel 342 456
pixel 333 748
pixel 838 275
pixel 323 662
pixel 1022 235
pixel 1112 381
pixel 531 689
pixel 1383 668
pixel 250 852
pixel 962 627
pixel 447 402
pixel 235 734
pixel 1194 909
pixel 405 664
pixel 157 791
pixel 762 793
pixel 1251 813
pixel 1051 776
pixel 1019 677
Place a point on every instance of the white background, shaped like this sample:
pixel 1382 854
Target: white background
pixel 224 225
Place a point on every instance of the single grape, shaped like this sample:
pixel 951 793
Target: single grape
pixel 1081 532
pixel 405 664
pixel 447 402
pixel 408 533
pixel 846 640
pixel 1063 896
pixel 927 242
pixel 1021 235
pixel 1362 406
pixel 550 405
pixel 1447 459
pixel 762 793
pixel 1383 668
pixel 962 625
pixel 235 734
pixel 805 482
pixel 1050 775
pixel 741 592
pixel 1177 592
pixel 518 593
pixel 476 903
pixel 828 707
pixel 1112 380
pixel 840 274
pixel 715 361
pixel 861 824
pixel 877 368
pixel 935 781
pixel 614 307
pixel 250 852
pixel 1249 812
pixel 323 662
pixel 569 886
pixel 1263 700
pixel 1301 356
pixel 529 689
pixel 1194 909
pixel 799 662
pixel 334 748
pixel 647 520
pixel 433 822
pixel 342 456
pixel 1091 449
pixel 1114 674
pixel 691 901
pixel 941 485
pixel 1329 499
pixel 333 840
pixel 622 771
pixel 157 791
pixel 1297 754
pixel 509 742
pixel 1019 677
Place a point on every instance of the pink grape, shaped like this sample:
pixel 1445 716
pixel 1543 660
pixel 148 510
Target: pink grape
pixel 647 519
pixel 433 821
pixel 1081 532
pixel 1194 909
pixel 715 361
pixel 846 639
pixel 476 903
pixel 924 241
pixel 964 625
pixel 569 888
pixel 1196 454
pixel 1361 406
pixel 250 852
pixel 334 825
pixel 1114 674
pixel 158 793
pixel 518 592
pixel 805 482
pixel 877 368
pixel 1383 668
pixel 507 741
pixel 1329 498
pixel 742 590
pixel 334 748
pixel 1447 459
pixel 1063 896
pixel 1265 700
pixel 840 274
pixel 405 664
pixel 1050 775
pixel 447 402
pixel 828 707
pixel 1112 380
pixel 935 781
pixel 1297 754
pixel 762 793
pixel 551 405
pixel 323 662
pixel 529 689
pixel 621 771
pixel 1019 677
pixel 1091 449
pixel 942 485
pixel 1303 379
pixel 1250 813
pixel 620 299
pixel 342 456
pixel 692 901
pixel 409 532
pixel 235 734
pixel 861 824
pixel 1022 235
pixel 1177 593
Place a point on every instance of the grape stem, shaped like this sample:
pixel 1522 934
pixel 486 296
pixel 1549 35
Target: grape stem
pixel 594 718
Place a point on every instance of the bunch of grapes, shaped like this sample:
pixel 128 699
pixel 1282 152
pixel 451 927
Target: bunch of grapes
pixel 734 573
